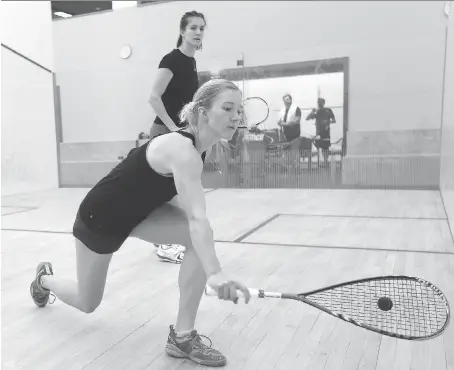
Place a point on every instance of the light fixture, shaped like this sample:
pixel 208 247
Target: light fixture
pixel 123 4
pixel 63 14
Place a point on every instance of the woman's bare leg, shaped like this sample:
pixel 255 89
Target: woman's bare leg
pixel 87 291
pixel 169 225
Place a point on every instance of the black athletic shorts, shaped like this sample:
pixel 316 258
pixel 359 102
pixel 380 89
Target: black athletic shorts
pixel 323 143
pixel 97 242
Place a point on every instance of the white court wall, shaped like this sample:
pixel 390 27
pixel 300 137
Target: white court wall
pixel 396 52
pixel 29 149
pixel 26 26
pixel 447 141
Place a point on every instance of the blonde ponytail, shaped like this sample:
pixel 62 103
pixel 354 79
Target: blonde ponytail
pixel 204 97
pixel 188 115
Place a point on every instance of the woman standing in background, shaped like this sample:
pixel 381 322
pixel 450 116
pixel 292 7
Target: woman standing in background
pixel 175 85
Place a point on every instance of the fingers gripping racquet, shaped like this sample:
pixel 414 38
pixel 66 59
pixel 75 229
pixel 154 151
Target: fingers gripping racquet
pixel 397 306
pixel 255 112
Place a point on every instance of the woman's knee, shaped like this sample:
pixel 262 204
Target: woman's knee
pixel 91 275
pixel 89 305
pixel 91 293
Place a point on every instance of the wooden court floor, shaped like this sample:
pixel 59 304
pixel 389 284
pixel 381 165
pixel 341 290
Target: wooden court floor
pixel 295 240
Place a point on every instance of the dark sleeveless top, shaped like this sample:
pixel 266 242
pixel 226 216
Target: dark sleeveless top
pixel 128 194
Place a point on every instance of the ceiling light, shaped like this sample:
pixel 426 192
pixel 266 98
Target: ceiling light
pixel 123 4
pixel 63 14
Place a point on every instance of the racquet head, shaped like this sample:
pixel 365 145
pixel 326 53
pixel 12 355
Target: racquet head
pixel 255 112
pixel 397 306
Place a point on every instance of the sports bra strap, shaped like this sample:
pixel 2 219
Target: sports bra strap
pixel 191 136
pixel 188 135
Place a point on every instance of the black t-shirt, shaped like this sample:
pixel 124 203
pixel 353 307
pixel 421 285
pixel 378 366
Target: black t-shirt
pixel 182 86
pixel 323 118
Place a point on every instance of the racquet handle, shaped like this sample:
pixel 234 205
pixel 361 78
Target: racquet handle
pixel 255 293
pixel 211 292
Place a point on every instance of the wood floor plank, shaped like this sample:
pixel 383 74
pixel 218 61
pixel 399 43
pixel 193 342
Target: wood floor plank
pixel 377 264
pixel 387 349
pixel 447 273
pixel 336 272
pixel 386 353
pixel 300 337
pixel 369 355
pixel 341 334
pixel 338 347
pixel 437 354
pixel 353 232
pixel 361 349
pixel 272 311
pixel 402 358
pixel 270 350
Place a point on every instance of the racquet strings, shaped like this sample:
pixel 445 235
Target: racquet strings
pixel 255 112
pixel 418 310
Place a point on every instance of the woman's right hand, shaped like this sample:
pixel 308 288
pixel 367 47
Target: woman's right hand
pixel 227 288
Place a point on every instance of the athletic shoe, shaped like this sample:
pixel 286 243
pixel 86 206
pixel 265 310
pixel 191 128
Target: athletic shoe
pixel 170 253
pixel 40 295
pixel 191 346
pixel 178 247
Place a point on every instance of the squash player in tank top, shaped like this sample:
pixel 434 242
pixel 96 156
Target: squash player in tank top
pixel 175 84
pixel 138 199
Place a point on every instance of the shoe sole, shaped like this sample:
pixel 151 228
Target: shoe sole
pixel 40 305
pixel 167 259
pixel 49 271
pixel 181 250
pixel 173 351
